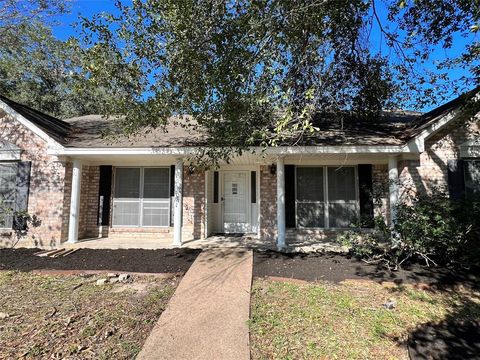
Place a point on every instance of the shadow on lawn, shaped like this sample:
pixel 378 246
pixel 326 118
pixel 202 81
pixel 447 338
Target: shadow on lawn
pixel 439 277
pixel 455 337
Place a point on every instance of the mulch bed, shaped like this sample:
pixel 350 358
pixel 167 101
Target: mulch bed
pixel 126 260
pixel 336 268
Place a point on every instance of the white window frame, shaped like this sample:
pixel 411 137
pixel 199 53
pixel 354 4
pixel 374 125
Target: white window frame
pixel 141 200
pixel 326 202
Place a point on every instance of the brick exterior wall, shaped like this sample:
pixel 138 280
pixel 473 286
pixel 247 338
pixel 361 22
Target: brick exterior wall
pixel 51 179
pixel 88 220
pixel 47 184
pixel 429 173
pixel 268 204
pixel 193 204
pixel 381 198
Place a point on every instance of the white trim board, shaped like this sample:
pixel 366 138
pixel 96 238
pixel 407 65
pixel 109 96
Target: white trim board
pixel 186 151
pixel 31 126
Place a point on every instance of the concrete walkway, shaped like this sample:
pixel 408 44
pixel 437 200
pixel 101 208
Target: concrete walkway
pixel 207 316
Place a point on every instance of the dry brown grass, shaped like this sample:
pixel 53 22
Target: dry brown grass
pixel 69 317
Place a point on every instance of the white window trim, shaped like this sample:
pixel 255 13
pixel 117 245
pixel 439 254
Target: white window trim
pixel 141 200
pixel 326 202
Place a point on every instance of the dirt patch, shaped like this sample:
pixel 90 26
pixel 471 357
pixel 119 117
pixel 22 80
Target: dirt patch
pixel 131 260
pixel 336 268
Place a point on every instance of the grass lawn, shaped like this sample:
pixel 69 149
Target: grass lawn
pixel 346 320
pixel 70 317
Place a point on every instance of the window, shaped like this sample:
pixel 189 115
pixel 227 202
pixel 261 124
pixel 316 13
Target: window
pixel 342 197
pixel 253 187
pixel 472 179
pixel 215 187
pixel 310 197
pixel 142 197
pixel 8 175
pixel 326 196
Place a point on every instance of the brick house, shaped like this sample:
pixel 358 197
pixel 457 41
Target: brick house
pixel 84 186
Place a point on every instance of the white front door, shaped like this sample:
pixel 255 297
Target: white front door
pixel 235 202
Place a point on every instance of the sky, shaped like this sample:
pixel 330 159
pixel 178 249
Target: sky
pixel 87 8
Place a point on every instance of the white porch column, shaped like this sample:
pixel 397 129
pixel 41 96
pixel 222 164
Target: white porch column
pixel 281 229
pixel 75 201
pixel 178 204
pixel 393 186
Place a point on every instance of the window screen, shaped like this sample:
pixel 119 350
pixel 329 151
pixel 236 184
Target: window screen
pixel 472 179
pixel 8 175
pixel 126 213
pixel 142 197
pixel 342 204
pixel 127 183
pixel 156 183
pixel 310 184
pixel 310 197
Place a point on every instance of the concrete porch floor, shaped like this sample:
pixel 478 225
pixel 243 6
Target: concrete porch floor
pixel 215 241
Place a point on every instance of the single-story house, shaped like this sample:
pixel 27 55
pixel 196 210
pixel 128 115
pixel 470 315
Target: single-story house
pixel 83 185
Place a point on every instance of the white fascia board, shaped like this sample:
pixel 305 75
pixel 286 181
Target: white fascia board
pixel 186 151
pixel 417 144
pixel 180 151
pixel 30 126
pixel 343 149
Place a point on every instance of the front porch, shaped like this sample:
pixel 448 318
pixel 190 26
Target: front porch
pixel 295 203
pixel 304 244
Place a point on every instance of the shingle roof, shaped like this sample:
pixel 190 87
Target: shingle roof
pixel 90 131
pixel 396 128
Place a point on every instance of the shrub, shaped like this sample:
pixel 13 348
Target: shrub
pixel 22 222
pixel 428 227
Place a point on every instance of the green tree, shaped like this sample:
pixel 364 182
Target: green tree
pixel 36 68
pixel 16 14
pixel 45 73
pixel 258 72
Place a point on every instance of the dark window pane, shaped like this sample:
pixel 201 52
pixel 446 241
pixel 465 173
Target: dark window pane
pixel 8 175
pixel 253 184
pixel 127 183
pixel 215 187
pixel 472 179
pixel 310 215
pixel 156 183
pixel 341 215
pixel 310 184
pixel 341 183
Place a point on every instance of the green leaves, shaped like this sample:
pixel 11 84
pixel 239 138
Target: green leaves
pixel 244 70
